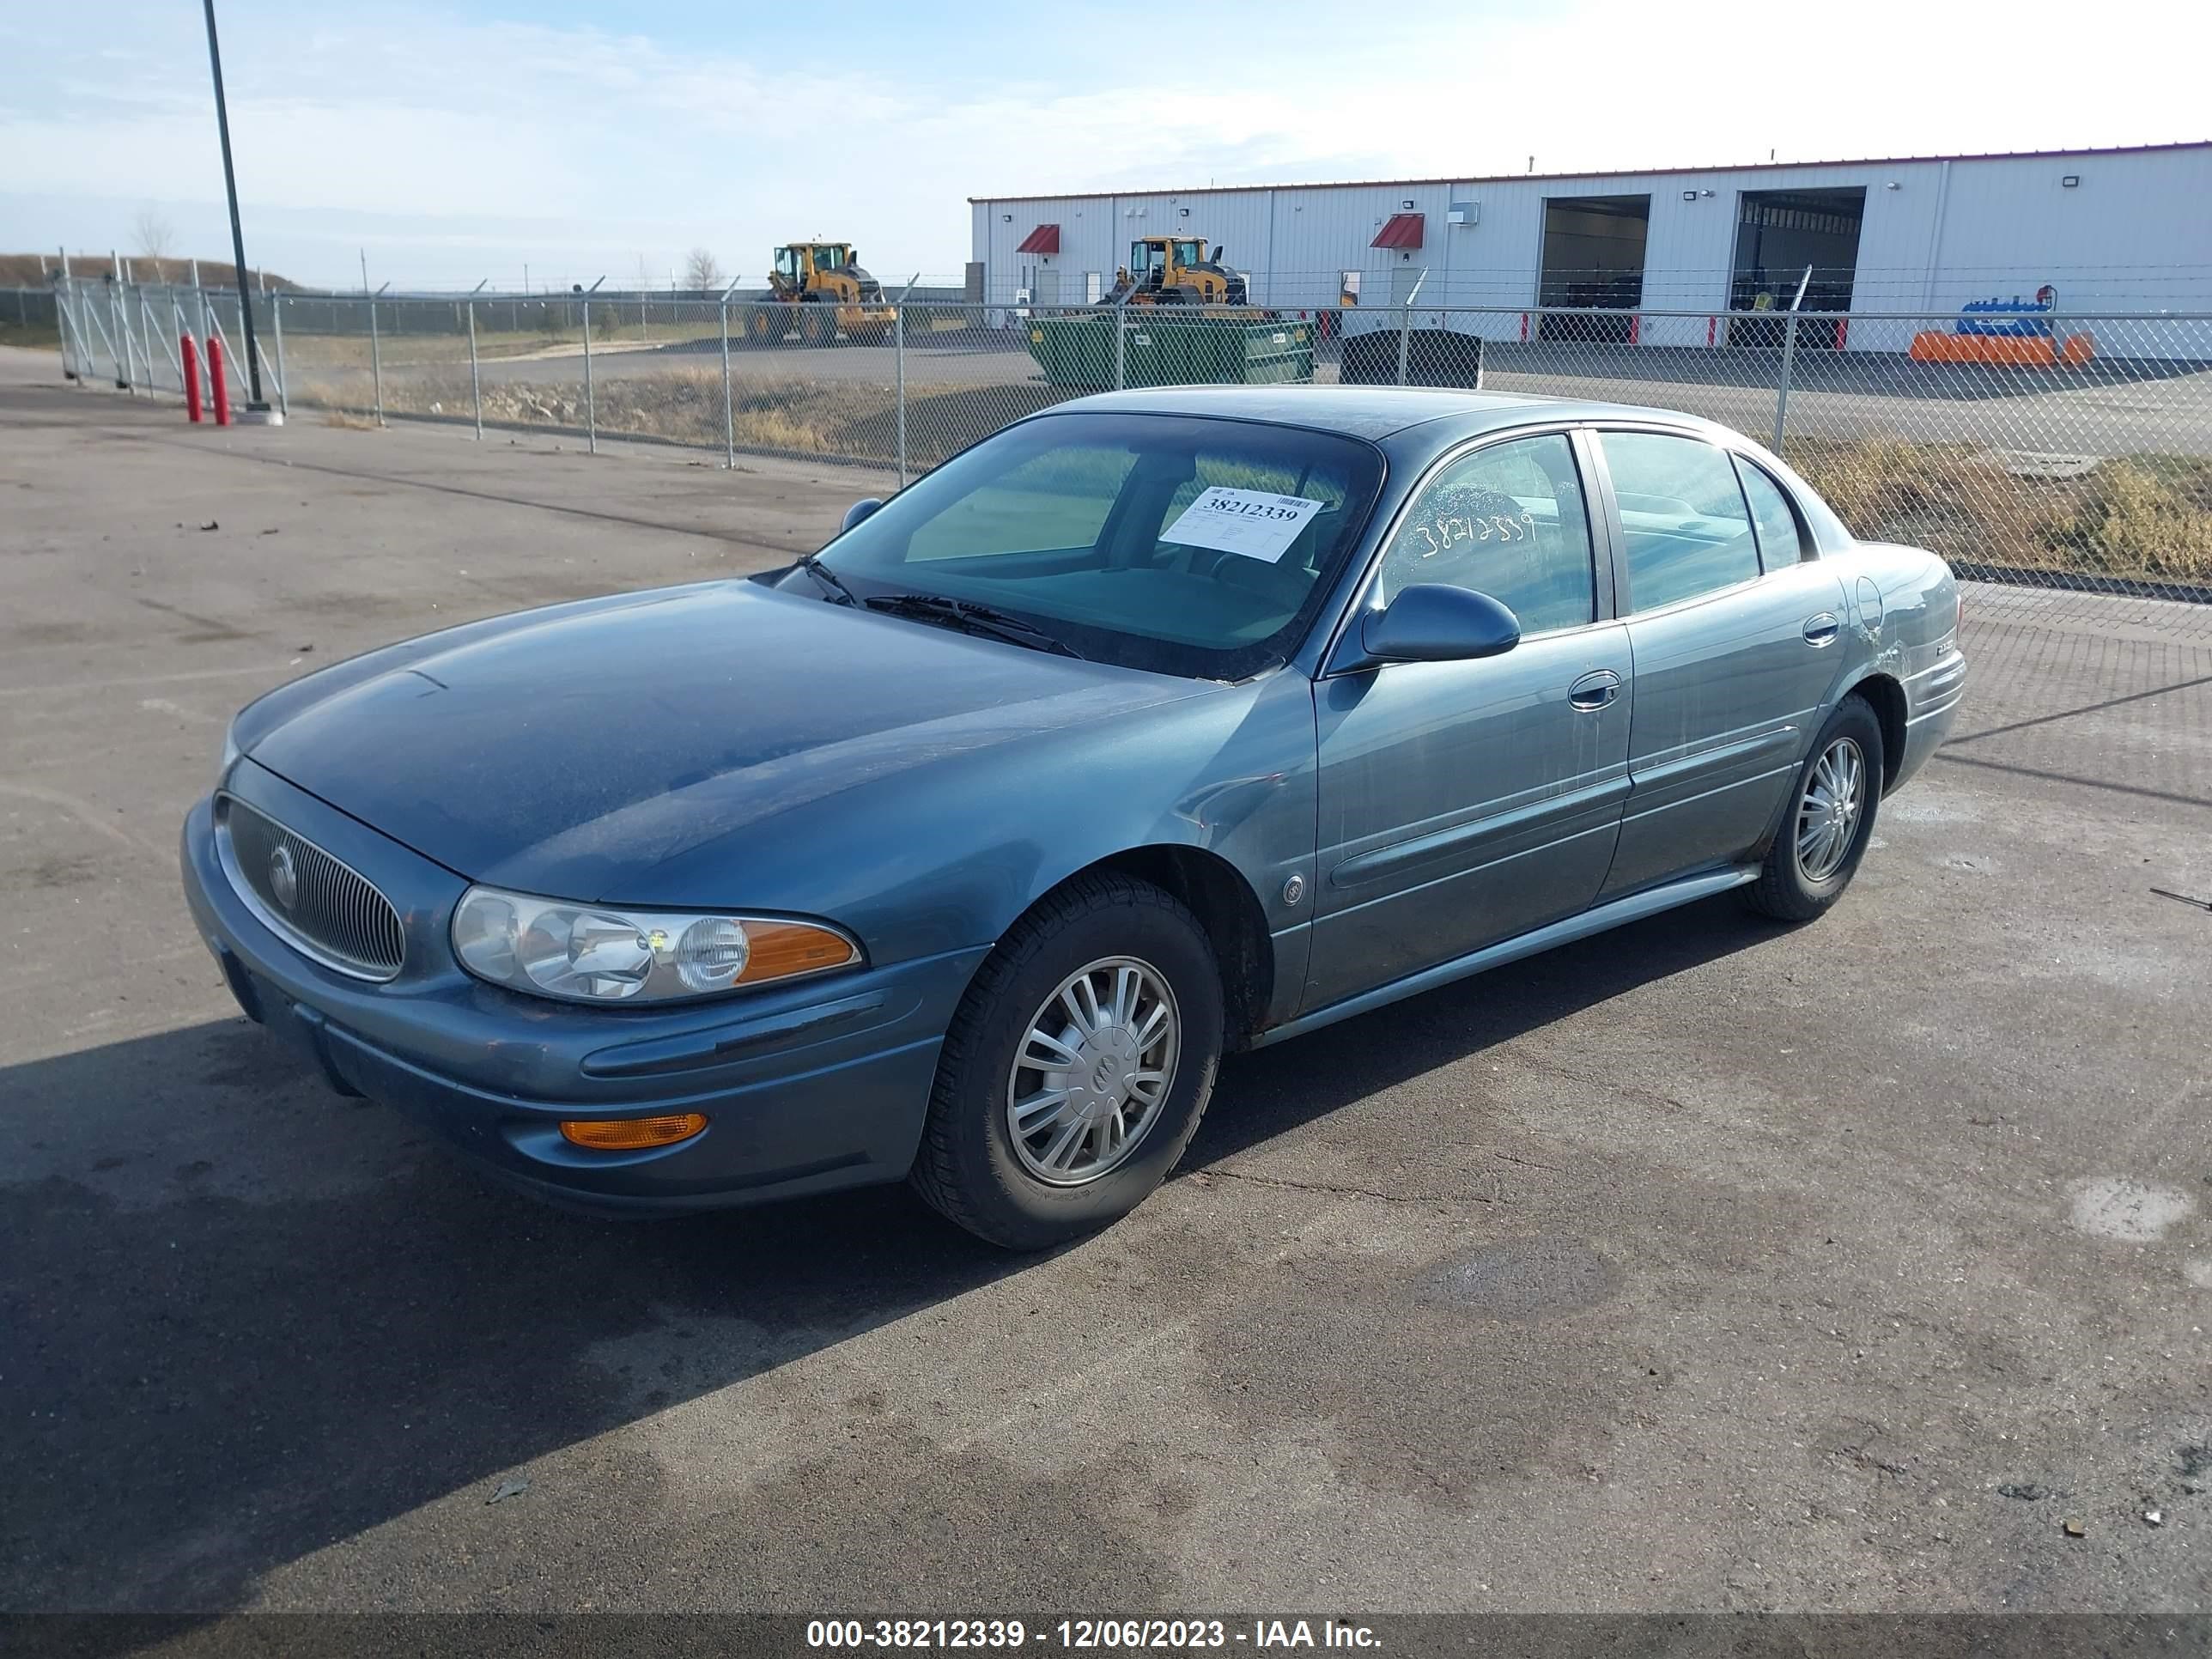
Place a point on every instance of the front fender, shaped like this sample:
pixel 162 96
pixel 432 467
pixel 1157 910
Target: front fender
pixel 946 857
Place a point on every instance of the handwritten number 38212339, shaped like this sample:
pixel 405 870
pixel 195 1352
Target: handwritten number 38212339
pixel 1449 532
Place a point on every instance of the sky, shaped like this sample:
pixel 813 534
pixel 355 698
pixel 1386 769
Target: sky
pixel 452 143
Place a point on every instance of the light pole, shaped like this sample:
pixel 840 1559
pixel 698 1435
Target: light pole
pixel 256 406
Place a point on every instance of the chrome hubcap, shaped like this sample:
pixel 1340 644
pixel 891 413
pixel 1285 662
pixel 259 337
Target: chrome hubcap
pixel 1828 813
pixel 1093 1070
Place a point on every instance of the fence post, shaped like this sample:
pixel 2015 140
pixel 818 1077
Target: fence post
pixel 1121 340
pixel 276 329
pixel 135 355
pixel 375 359
pixel 476 388
pixel 1789 357
pixel 1406 325
pixel 729 409
pixel 591 411
pixel 146 339
pixel 118 343
pixel 207 331
pixel 123 315
pixel 73 353
pixel 898 355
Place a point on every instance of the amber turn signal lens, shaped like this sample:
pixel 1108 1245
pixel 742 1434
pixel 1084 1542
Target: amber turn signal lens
pixel 631 1134
pixel 777 949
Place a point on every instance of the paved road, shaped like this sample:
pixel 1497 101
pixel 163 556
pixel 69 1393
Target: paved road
pixel 1707 1264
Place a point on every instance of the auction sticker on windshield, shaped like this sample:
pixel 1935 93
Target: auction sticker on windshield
pixel 1252 522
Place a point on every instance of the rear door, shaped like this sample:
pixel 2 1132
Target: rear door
pixel 1461 802
pixel 1733 632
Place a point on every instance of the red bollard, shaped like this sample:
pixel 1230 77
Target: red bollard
pixel 216 385
pixel 191 360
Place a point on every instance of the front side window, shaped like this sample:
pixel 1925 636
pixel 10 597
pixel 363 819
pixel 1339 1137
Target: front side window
pixel 1508 520
pixel 1682 517
pixel 1170 542
pixel 1780 542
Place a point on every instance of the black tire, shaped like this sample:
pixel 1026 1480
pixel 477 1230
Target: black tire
pixel 966 1168
pixel 1784 889
pixel 817 325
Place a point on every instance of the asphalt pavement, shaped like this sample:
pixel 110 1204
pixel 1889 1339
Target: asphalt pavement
pixel 1704 1265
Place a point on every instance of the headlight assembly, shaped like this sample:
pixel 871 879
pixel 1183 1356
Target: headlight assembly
pixel 596 953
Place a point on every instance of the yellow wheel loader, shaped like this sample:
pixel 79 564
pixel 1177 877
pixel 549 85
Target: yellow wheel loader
pixel 1167 270
pixel 819 290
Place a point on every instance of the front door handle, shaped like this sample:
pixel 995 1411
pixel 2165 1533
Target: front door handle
pixel 1822 629
pixel 1594 690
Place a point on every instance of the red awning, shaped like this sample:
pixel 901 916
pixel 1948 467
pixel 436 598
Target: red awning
pixel 1402 230
pixel 1045 239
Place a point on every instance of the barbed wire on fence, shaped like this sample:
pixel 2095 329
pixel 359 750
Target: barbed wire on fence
pixel 2051 450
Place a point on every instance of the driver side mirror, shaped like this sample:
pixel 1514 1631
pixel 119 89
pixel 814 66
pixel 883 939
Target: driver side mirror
pixel 858 513
pixel 1434 621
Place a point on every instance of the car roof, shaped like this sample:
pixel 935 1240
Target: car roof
pixel 1374 412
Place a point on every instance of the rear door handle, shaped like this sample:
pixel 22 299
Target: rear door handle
pixel 1594 690
pixel 1822 629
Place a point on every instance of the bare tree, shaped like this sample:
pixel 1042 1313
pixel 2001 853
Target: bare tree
pixel 155 236
pixel 701 269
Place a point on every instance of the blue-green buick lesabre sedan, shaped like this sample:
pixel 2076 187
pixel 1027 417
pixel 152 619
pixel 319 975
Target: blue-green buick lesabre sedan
pixel 1155 726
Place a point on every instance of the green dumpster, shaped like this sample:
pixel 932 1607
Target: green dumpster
pixel 1159 348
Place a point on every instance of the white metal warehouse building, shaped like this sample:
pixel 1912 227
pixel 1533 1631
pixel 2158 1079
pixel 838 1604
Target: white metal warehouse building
pixel 2107 230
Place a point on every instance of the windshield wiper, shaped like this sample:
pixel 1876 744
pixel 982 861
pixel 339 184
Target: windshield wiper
pixel 812 565
pixel 973 618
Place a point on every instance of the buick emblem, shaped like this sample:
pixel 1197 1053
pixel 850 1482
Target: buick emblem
pixel 283 877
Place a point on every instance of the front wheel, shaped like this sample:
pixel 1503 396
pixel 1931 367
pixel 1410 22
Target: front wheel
pixel 1829 820
pixel 1077 1068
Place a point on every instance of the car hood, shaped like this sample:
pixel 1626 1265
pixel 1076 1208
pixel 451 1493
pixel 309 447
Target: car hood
pixel 571 753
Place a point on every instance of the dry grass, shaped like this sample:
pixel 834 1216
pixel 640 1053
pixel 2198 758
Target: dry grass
pixel 2147 517
pixel 350 421
pixel 405 348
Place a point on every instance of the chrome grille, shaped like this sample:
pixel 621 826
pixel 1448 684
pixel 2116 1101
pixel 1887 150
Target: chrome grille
pixel 327 909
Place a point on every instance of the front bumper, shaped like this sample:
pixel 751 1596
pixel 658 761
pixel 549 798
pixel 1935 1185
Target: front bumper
pixel 816 1085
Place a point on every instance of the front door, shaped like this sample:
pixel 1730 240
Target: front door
pixel 1461 802
pixel 1734 634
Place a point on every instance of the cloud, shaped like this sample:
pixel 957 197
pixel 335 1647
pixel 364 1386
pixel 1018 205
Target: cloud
pixel 440 137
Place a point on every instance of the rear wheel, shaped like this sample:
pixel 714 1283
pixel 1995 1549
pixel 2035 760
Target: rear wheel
pixel 1829 821
pixel 1077 1068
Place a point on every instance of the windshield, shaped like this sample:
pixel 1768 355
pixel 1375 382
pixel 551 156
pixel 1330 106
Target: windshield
pixel 1176 543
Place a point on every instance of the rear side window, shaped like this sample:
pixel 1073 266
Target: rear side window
pixel 1780 541
pixel 1682 517
pixel 1507 521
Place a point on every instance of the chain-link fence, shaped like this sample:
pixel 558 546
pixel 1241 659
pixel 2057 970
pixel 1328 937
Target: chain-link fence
pixel 2068 454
